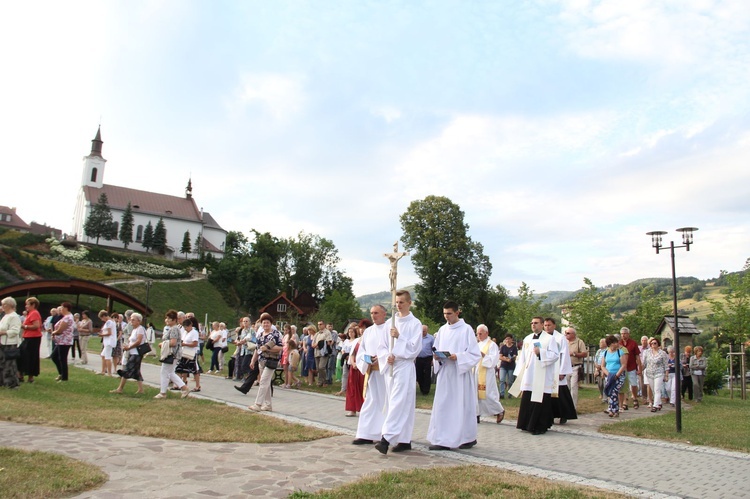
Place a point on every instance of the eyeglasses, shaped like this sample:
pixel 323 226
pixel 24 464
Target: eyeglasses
pixel 653 343
pixel 535 322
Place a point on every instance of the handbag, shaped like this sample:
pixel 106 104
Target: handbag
pixel 169 359
pixel 143 348
pixel 12 353
pixel 166 350
pixel 210 344
pixel 188 353
pixel 224 349
pixel 272 363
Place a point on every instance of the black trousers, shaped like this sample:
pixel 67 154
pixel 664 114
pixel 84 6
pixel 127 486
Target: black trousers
pixel 687 386
pixel 60 358
pixel 250 380
pixel 424 373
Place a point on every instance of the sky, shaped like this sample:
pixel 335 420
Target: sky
pixel 564 130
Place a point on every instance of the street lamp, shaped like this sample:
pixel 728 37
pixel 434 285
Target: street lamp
pixel 149 282
pixel 687 240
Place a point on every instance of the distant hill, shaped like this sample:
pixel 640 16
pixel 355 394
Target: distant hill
pixel 381 298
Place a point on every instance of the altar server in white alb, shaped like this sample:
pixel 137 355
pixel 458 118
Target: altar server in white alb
pixel 488 396
pixel 562 403
pixel 397 364
pixel 535 379
pixel 454 411
pixel 372 415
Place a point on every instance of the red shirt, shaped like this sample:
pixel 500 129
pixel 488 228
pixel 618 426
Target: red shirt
pixel 633 352
pixel 32 316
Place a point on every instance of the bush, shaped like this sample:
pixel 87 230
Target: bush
pixel 47 271
pixel 717 368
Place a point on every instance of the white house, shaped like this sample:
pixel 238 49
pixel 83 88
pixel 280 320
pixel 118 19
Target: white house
pixel 180 214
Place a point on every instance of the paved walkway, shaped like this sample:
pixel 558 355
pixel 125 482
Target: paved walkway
pixel 573 453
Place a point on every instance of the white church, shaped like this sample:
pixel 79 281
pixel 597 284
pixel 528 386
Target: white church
pixel 180 214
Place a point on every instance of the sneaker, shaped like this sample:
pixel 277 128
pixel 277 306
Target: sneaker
pixel 185 393
pixel 161 396
pixel 350 414
pixel 254 408
pixel 265 408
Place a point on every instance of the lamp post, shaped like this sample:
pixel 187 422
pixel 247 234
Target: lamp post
pixel 687 240
pixel 149 282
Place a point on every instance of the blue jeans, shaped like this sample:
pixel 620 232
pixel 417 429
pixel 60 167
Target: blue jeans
pixel 506 380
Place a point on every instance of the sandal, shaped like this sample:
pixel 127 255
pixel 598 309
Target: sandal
pixel 625 407
pixel 500 417
pixel 653 409
pixel 635 404
pixel 195 390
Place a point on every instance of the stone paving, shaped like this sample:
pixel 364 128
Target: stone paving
pixel 574 453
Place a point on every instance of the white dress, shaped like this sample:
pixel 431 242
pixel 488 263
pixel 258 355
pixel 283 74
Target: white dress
pixel 372 414
pixel 490 405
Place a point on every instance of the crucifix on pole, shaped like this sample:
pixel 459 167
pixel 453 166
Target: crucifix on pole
pixel 394 258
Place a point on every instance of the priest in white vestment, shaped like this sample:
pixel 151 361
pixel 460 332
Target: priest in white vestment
pixel 453 423
pixel 397 367
pixel 372 415
pixel 535 379
pixel 488 396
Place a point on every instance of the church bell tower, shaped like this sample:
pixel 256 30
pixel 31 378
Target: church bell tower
pixel 93 164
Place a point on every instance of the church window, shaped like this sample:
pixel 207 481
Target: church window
pixel 139 234
pixel 94 172
pixel 281 307
pixel 115 229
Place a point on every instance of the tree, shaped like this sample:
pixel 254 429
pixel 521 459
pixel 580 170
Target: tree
pixel 99 223
pixel 236 244
pixel 732 314
pixel 449 264
pixel 160 237
pixel 249 277
pixel 589 313
pixel 148 236
pixel 489 309
pixel 126 226
pixel 520 311
pixel 308 263
pixel 648 314
pixel 185 249
pixel 198 246
pixel 338 308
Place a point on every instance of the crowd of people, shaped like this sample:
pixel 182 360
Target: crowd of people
pixel 381 363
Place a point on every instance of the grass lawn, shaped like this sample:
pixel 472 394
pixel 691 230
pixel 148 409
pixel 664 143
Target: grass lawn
pixel 461 481
pixel 44 474
pixel 718 421
pixel 84 402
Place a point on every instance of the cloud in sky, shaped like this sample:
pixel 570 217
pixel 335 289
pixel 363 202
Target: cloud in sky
pixel 564 130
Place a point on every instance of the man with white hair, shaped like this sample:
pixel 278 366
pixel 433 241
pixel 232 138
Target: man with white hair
pixel 488 396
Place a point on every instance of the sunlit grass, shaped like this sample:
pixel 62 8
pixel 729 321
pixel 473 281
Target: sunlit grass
pixel 84 402
pixel 25 474
pixel 460 481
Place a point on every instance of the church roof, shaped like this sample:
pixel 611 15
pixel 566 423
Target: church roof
pixel 152 203
pixel 210 221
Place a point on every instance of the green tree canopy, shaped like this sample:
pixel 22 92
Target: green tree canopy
pixel 148 236
pixel 160 237
pixel 338 308
pixel 126 227
pixel 648 313
pixel 99 224
pixel 520 311
pixel 308 263
pixel 732 315
pixel 449 264
pixel 186 249
pixel 589 313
